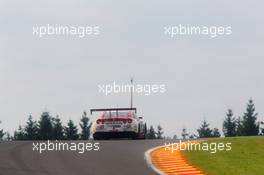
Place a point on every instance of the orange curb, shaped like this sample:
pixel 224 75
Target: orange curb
pixel 172 163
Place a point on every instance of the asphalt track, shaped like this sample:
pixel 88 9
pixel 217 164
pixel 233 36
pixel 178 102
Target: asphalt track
pixel 115 157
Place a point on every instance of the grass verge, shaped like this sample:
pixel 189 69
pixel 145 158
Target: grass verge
pixel 245 158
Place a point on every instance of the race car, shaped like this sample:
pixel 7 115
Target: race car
pixel 118 123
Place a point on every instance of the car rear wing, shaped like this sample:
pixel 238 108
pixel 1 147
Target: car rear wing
pixel 113 109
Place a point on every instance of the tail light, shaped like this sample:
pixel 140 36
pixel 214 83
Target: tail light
pixel 98 121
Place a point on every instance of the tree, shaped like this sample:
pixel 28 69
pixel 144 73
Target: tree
pixel 1 133
pixel 151 134
pixel 250 125
pixel 71 131
pixel 159 132
pixel 45 127
pixel 145 130
pixel 184 133
pixel 229 124
pixel 216 133
pixel 57 129
pixel 262 129
pixel 239 127
pixel 8 137
pixel 192 136
pixel 85 127
pixel 31 129
pixel 204 130
pixel 20 133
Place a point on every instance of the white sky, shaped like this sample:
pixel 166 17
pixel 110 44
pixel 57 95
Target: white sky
pixel 203 76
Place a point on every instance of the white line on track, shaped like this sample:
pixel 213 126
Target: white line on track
pixel 149 160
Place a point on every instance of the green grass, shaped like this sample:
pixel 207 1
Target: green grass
pixel 245 158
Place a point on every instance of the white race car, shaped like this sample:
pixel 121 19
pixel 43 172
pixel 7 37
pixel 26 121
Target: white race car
pixel 118 123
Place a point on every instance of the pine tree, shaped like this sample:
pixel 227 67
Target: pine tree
pixel 250 125
pixel 1 133
pixel 174 137
pixel 204 131
pixel 229 124
pixel 151 134
pixel 192 136
pixel 45 127
pixel 159 132
pixel 262 129
pixel 184 133
pixel 239 127
pixel 71 131
pixel 31 129
pixel 145 130
pixel 85 126
pixel 8 136
pixel 57 129
pixel 20 133
pixel 216 133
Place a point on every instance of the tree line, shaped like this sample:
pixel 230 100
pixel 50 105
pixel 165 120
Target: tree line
pixel 51 128
pixel 152 134
pixel 247 125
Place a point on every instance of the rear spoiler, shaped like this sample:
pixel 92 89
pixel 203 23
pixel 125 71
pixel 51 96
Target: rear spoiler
pixel 113 109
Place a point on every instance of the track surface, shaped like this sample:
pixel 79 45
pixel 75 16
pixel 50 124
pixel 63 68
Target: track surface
pixel 116 157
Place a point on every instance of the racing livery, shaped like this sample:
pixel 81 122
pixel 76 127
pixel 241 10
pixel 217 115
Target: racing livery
pixel 118 123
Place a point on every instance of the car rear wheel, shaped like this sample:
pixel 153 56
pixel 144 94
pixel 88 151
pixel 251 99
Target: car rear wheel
pixel 134 136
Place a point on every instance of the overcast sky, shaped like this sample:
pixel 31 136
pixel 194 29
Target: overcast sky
pixel 203 76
